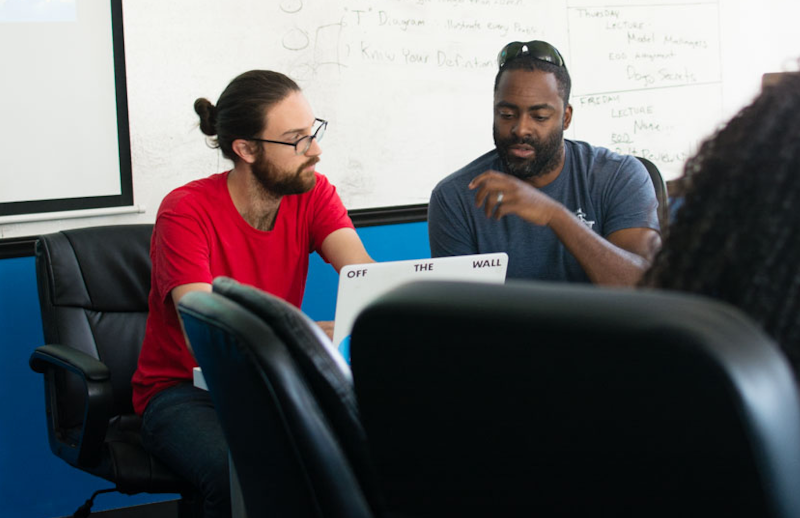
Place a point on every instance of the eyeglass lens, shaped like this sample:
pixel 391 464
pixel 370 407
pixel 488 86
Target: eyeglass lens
pixel 302 145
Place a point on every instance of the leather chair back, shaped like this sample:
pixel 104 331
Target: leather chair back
pixel 323 368
pixel 288 459
pixel 662 195
pixel 534 399
pixel 93 287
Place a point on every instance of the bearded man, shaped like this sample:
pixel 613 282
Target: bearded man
pixel 562 210
pixel 256 223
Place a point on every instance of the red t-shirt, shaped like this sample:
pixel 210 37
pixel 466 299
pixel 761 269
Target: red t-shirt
pixel 199 235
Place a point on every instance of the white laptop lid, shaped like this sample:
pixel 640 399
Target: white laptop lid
pixel 360 284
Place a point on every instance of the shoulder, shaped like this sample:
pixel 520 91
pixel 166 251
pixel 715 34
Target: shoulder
pixel 322 183
pixel 197 193
pixel 321 209
pixel 601 161
pixel 321 199
pixel 322 192
pixel 459 180
pixel 598 155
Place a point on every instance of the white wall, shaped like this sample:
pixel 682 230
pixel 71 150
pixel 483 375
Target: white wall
pixel 179 50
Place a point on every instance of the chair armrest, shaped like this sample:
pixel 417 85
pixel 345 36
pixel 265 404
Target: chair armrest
pixel 64 357
pixel 98 396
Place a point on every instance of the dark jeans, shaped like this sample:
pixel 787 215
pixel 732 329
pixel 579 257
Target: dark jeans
pixel 180 427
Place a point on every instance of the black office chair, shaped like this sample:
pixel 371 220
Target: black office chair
pixel 288 458
pixel 93 287
pixel 534 399
pixel 321 365
pixel 661 193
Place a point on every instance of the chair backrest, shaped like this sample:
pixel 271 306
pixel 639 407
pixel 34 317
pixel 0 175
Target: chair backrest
pixel 288 460
pixel 93 287
pixel 661 193
pixel 539 399
pixel 321 366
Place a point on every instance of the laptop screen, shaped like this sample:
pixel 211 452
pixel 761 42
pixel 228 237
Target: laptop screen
pixel 360 284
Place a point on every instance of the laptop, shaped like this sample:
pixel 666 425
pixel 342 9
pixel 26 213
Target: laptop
pixel 360 284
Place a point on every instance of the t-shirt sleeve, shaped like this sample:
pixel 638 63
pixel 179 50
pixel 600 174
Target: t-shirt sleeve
pixel 448 227
pixel 181 252
pixel 631 199
pixel 328 214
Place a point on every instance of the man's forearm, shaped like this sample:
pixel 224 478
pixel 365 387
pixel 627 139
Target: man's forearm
pixel 604 262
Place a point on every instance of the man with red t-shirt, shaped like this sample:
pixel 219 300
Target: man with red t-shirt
pixel 256 223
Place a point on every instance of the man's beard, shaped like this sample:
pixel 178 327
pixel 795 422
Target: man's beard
pixel 278 182
pixel 546 154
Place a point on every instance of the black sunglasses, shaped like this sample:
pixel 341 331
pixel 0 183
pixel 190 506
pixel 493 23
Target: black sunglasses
pixel 536 49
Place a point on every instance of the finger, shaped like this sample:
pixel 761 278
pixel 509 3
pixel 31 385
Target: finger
pixel 490 188
pixel 489 205
pixel 481 196
pixel 477 182
pixel 484 177
pixel 486 199
pixel 493 202
pixel 502 206
pixel 500 210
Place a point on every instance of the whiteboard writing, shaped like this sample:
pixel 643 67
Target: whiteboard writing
pixel 650 82
pixel 407 84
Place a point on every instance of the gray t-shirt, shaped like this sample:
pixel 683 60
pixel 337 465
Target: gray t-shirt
pixel 607 191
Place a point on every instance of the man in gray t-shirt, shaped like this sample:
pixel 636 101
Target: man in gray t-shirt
pixel 562 210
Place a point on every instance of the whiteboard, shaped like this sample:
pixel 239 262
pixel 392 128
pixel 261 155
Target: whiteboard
pixel 405 84
pixel 650 83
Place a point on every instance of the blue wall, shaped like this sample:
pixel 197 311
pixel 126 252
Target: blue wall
pixel 383 243
pixel 34 483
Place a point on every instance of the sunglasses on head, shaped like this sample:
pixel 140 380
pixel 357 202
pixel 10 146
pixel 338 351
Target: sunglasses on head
pixel 536 49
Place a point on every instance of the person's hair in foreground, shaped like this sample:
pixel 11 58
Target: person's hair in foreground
pixel 737 236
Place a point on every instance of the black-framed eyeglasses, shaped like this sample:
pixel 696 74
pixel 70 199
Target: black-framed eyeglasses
pixel 300 145
pixel 537 49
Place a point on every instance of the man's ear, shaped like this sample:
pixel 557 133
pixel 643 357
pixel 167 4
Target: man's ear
pixel 245 150
pixel 567 116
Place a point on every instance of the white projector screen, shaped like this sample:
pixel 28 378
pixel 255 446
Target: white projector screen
pixel 64 138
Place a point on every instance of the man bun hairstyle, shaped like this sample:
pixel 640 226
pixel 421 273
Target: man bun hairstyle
pixel 208 116
pixel 241 109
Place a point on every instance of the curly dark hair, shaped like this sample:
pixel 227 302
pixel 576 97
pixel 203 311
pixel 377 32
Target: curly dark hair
pixel 737 236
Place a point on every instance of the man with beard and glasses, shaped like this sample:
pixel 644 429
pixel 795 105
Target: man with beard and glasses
pixel 256 223
pixel 563 210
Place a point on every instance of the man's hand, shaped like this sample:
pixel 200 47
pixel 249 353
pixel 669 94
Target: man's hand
pixel 618 260
pixel 177 294
pixel 502 194
pixel 327 327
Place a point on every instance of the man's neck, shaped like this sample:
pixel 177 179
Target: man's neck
pixel 257 206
